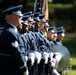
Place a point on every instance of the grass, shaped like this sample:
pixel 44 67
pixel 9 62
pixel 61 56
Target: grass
pixel 73 63
pixel 70 43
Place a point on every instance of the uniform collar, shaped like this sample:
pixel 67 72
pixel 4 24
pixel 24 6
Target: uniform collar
pixel 57 40
pixel 13 27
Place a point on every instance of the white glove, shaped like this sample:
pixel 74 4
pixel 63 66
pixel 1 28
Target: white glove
pixel 45 56
pixel 38 56
pixel 26 73
pixel 26 58
pixel 55 72
pixel 53 63
pixel 31 56
pixel 51 55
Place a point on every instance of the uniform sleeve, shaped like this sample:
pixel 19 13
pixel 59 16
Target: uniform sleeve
pixel 32 44
pixel 40 43
pixel 45 44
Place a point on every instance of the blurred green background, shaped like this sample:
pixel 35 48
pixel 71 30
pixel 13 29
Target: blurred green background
pixel 61 13
pixel 70 42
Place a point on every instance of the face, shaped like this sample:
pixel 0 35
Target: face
pixel 24 28
pixel 54 38
pixel 30 24
pixel 37 24
pixel 41 25
pixel 33 26
pixel 19 27
pixel 46 28
pixel 14 19
pixel 19 20
pixel 60 37
pixel 50 35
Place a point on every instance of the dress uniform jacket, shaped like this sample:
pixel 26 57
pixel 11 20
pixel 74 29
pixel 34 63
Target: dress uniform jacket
pixel 11 55
pixel 39 41
pixel 51 42
pixel 32 43
pixel 26 43
pixel 46 42
pixel 29 42
pixel 57 42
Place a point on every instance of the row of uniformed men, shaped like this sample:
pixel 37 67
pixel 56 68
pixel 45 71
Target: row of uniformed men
pixel 46 33
pixel 29 48
pixel 34 33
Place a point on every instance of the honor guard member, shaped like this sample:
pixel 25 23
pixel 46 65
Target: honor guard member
pixel 44 30
pixel 51 31
pixel 31 35
pixel 43 47
pixel 41 34
pixel 45 54
pixel 25 24
pixel 51 37
pixel 46 26
pixel 33 45
pixel 27 36
pixel 48 44
pixel 29 45
pixel 42 22
pixel 30 26
pixel 30 19
pixel 55 37
pixel 23 33
pixel 23 29
pixel 39 41
pixel 60 35
pixel 11 56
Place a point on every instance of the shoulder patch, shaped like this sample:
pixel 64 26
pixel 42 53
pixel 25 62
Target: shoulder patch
pixel 15 44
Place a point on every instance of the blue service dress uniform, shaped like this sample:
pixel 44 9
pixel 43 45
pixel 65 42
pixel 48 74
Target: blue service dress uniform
pixel 29 42
pixel 30 46
pixel 43 46
pixel 51 42
pixel 26 43
pixel 11 55
pixel 33 47
pixel 46 42
pixel 40 41
pixel 32 43
pixel 57 42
